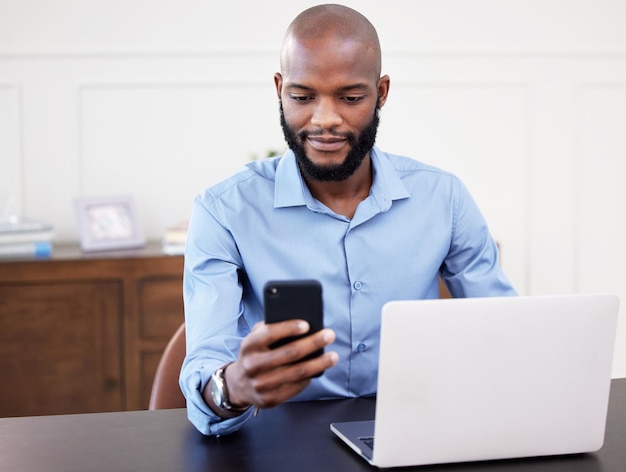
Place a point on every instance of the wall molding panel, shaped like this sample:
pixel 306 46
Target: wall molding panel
pixel 172 129
pixel 600 219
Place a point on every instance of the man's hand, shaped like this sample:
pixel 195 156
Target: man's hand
pixel 266 377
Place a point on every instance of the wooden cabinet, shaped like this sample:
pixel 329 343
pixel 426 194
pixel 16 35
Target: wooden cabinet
pixel 85 332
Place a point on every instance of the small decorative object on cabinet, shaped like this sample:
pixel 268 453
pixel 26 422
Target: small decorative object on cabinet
pixel 106 223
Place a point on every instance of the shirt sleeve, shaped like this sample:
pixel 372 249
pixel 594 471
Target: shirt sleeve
pixel 214 319
pixel 472 267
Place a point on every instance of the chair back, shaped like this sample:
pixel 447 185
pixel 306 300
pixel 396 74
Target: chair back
pixel 166 392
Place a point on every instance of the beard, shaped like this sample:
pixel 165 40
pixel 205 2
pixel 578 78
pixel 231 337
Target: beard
pixel 360 146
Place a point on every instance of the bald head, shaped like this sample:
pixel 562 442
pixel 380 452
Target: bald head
pixel 332 22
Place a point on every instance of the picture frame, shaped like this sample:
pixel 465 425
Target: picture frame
pixel 108 223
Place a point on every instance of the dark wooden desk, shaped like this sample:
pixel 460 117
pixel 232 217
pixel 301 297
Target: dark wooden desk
pixel 293 437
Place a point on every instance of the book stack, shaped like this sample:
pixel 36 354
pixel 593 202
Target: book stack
pixel 25 238
pixel 175 239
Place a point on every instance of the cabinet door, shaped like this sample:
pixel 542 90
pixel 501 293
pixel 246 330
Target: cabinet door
pixel 160 313
pixel 60 349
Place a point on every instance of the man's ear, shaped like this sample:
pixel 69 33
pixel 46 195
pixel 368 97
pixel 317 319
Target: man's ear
pixel 278 83
pixel 383 90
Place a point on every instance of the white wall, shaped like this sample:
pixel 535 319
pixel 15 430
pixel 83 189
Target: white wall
pixel 524 99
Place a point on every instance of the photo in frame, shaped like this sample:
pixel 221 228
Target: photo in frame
pixel 108 223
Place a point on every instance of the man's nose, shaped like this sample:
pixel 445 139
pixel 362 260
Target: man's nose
pixel 325 114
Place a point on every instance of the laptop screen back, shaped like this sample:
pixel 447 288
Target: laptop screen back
pixel 490 378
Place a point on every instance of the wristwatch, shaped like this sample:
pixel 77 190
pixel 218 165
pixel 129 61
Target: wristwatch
pixel 219 392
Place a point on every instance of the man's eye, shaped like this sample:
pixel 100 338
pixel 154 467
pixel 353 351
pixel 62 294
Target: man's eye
pixel 350 99
pixel 301 98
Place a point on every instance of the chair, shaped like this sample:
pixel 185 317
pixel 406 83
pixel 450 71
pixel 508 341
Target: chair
pixel 166 392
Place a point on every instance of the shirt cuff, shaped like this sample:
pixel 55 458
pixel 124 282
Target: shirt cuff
pixel 202 417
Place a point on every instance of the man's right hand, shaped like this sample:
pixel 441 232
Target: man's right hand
pixel 264 377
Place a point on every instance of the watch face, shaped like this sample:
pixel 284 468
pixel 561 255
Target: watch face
pixel 216 389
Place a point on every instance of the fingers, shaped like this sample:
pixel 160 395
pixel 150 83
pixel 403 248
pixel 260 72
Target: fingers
pixel 298 371
pixel 289 368
pixel 275 386
pixel 255 349
pixel 270 333
pixel 275 375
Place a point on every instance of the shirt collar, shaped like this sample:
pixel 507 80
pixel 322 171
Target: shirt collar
pixel 289 186
pixel 387 185
pixel 291 190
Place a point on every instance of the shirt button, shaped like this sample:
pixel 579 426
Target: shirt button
pixel 361 347
pixel 358 285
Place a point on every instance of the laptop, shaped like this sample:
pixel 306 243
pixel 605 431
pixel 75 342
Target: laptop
pixel 489 378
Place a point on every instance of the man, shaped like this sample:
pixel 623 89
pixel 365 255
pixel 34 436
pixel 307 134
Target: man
pixel 370 226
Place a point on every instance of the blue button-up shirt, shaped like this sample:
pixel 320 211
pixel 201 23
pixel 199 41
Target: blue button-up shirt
pixel 263 224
